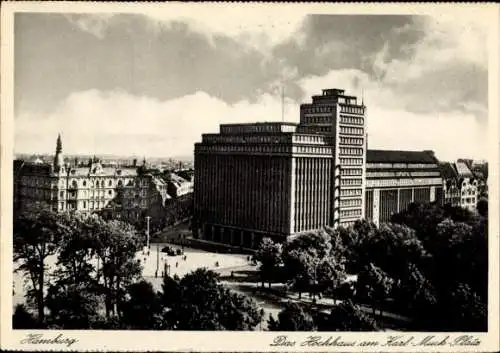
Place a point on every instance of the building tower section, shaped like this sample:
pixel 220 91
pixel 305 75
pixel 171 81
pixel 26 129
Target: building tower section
pixel 342 119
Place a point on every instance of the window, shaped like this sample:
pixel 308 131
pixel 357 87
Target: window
pixel 110 183
pixel 110 192
pixel 84 204
pixel 84 183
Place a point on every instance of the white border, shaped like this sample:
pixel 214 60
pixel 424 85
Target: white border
pixel 234 341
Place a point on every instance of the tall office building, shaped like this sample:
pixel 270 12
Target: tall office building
pixel 281 179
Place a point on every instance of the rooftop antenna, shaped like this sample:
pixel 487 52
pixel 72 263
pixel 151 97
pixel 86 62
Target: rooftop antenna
pixel 362 96
pixel 282 103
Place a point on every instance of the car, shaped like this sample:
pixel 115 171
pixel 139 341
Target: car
pixel 167 249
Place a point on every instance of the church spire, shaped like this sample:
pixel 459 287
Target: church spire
pixel 58 158
pixel 59 144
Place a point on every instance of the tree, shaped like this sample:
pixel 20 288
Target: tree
pixel 116 244
pixel 352 239
pixel 73 306
pixel 302 256
pixel 200 302
pixel 374 285
pixel 392 247
pixel 330 274
pixel 269 256
pixel 23 319
pixel 482 207
pixel 292 318
pixel 37 233
pixel 347 317
pixel 76 252
pixel 142 308
pixel 458 309
pixel 460 255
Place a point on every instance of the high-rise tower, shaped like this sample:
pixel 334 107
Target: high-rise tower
pixel 342 119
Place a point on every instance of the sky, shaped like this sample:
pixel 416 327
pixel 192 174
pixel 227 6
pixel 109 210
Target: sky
pixel 152 84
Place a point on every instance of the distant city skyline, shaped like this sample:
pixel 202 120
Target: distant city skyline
pixel 150 85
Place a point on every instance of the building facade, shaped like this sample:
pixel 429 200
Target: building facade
pixel 451 184
pixel 468 187
pixel 129 193
pixel 394 179
pixel 281 179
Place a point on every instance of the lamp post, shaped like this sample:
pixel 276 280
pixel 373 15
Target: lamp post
pixel 157 259
pixel 147 232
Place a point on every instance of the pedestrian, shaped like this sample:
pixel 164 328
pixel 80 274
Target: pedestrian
pixel 176 264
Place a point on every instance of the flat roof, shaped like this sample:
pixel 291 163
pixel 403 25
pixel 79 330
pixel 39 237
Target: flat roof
pixel 397 156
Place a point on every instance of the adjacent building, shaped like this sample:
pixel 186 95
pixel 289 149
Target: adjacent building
pixel 394 179
pixel 131 193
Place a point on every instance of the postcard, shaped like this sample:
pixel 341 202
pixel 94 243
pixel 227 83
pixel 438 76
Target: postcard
pixel 249 177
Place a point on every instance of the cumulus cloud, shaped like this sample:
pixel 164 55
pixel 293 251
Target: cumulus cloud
pixel 120 123
pixel 153 84
pixel 451 135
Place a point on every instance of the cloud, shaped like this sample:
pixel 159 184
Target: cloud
pixel 120 123
pixel 248 25
pixel 124 124
pixel 447 67
pixel 454 134
pixel 95 24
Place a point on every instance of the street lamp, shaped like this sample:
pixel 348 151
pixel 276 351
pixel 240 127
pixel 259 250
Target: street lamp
pixel 147 232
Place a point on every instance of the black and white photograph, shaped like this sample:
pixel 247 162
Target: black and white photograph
pixel 266 168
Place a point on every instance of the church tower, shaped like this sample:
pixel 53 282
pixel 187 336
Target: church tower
pixel 58 158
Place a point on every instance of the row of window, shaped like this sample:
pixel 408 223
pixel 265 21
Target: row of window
pixel 351 182
pixel 351 120
pixel 399 165
pixel 317 109
pixel 351 161
pixel 351 171
pixel 400 174
pixel 397 182
pixel 308 139
pixel 310 149
pixel 350 192
pixel 318 119
pixel 468 200
pixel 354 110
pixel 351 130
pixel 242 139
pixel 273 127
pixel 350 213
pixel 350 203
pixel 262 149
pixel 351 151
pixel 351 141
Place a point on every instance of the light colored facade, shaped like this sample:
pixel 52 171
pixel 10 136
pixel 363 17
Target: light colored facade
pixel 395 179
pixel 129 193
pixel 468 187
pixel 281 179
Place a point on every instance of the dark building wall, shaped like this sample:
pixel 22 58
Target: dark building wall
pixel 405 198
pixel 369 205
pixel 312 193
pixel 388 204
pixel 250 192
